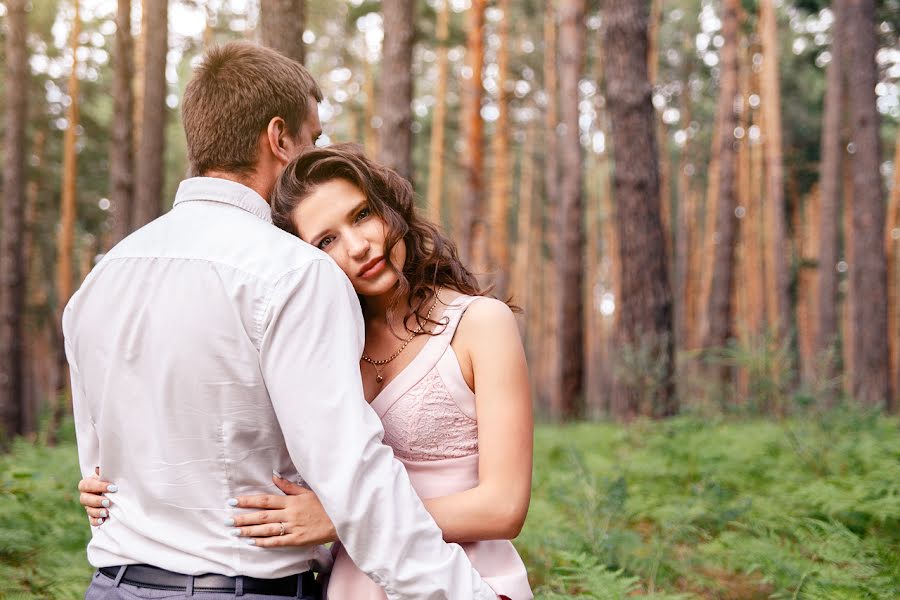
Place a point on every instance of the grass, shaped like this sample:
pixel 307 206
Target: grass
pixel 686 508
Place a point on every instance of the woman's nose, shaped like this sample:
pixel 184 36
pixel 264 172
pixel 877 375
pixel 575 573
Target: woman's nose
pixel 358 246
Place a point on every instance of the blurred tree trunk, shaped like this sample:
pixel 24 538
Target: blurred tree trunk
pixel 645 307
pixel 829 224
pixel 847 335
pixel 524 255
pixel 396 86
pixel 551 352
pixel 64 257
pixel 121 159
pixel 501 176
pixel 12 259
pixel 892 241
pixel 149 164
pixel 779 275
pixel 371 143
pixel 868 271
pixel 806 222
pixel 570 217
pixel 439 117
pixel 719 310
pixel 471 212
pixel 281 24
pixel 140 45
pixel 665 171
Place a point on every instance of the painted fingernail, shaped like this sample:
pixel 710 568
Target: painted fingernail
pixel 232 502
pixel 99 521
pixel 250 542
pixel 104 503
pixel 277 474
pixel 229 522
pixel 234 532
pixel 113 488
pixel 103 513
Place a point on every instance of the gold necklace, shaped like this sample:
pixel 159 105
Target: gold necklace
pixel 379 378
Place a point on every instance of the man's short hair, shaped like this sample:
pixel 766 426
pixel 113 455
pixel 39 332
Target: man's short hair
pixel 235 91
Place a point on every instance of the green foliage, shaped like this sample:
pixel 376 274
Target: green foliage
pixel 686 508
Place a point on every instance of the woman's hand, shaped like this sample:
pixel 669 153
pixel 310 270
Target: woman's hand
pixel 296 519
pixel 92 499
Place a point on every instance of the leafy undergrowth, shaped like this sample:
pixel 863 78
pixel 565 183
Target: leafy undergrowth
pixel 687 508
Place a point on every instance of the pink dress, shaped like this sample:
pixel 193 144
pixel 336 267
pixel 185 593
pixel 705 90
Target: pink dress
pixel 428 412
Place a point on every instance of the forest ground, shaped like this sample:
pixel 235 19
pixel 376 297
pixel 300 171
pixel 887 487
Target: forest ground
pixel 691 507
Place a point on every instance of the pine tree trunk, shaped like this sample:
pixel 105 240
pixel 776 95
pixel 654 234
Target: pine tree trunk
pixel 121 159
pixel 12 260
pixel 779 279
pixel 35 386
pixel 829 210
pixel 524 255
pixel 501 176
pixel 645 306
pixel 395 99
pixel 439 118
pixel 665 175
pixel 140 74
pixel 719 310
pixel 892 242
pixel 868 271
pixel 149 165
pixel 371 143
pixel 471 211
pixel 281 23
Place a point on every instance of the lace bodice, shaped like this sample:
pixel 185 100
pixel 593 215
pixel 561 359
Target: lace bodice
pixel 428 411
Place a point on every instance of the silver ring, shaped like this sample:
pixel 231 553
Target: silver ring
pixel 280 524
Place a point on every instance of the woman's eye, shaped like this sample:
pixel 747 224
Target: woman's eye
pixel 363 214
pixel 323 243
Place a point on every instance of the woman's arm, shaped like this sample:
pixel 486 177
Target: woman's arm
pixel 491 356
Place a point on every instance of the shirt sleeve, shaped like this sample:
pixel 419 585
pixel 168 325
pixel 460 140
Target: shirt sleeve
pixel 311 343
pixel 85 433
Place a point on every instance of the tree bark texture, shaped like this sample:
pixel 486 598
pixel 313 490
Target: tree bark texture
pixel 719 311
pixel 829 223
pixel 121 157
pixel 12 259
pixel 150 173
pixel 892 249
pixel 281 24
pixel 439 118
pixel 868 271
pixel 471 212
pixel 645 306
pixel 396 86
pixel 501 174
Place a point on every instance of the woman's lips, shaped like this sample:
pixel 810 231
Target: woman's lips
pixel 372 268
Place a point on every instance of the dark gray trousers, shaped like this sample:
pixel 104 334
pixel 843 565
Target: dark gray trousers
pixel 104 588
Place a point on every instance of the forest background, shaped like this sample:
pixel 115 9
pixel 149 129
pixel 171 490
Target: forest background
pixel 693 201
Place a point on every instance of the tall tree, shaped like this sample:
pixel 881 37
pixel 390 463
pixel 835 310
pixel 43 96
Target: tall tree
pixel 719 310
pixel 281 24
pixel 439 117
pixel 471 211
pixel 570 217
pixel 829 225
pixel 501 176
pixel 892 242
pixel 868 271
pixel 150 174
pixel 779 279
pixel 645 307
pixel 121 157
pixel 396 86
pixel 12 260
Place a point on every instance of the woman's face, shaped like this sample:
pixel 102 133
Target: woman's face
pixel 336 218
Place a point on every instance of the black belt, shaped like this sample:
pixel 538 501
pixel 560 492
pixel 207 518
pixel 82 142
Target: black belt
pixel 155 578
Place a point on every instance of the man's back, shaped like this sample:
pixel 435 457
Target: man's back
pixel 167 332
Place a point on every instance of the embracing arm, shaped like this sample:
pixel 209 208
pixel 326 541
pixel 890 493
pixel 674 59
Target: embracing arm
pixel 497 506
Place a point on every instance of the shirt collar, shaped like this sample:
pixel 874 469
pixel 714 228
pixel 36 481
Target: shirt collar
pixel 215 189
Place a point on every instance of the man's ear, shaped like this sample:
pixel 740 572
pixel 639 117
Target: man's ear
pixel 279 141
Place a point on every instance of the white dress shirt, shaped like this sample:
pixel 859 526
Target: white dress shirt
pixel 209 348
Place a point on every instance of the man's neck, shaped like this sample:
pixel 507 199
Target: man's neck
pixel 252 181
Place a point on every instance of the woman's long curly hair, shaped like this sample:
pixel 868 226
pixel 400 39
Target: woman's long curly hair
pixel 432 260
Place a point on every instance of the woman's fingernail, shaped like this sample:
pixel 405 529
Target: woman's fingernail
pixel 277 474
pixel 229 522
pixel 104 513
pixel 99 521
pixel 250 542
pixel 112 488
pixel 104 503
pixel 235 532
pixel 232 502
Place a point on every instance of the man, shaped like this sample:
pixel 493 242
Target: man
pixel 210 348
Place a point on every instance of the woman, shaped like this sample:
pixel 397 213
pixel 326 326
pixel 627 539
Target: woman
pixel 443 367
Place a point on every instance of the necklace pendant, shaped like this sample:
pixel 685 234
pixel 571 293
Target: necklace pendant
pixel 379 378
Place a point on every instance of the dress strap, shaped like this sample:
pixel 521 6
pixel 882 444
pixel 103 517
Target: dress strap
pixel 453 313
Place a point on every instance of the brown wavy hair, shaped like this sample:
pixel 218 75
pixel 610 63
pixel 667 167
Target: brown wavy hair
pixel 432 260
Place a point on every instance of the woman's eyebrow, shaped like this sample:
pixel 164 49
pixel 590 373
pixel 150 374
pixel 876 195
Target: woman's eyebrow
pixel 356 209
